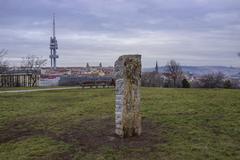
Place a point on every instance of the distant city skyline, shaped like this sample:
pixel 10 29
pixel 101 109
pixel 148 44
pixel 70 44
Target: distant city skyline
pixel 193 32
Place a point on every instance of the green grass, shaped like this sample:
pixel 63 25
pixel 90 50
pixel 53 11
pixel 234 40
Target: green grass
pixel 34 147
pixel 178 124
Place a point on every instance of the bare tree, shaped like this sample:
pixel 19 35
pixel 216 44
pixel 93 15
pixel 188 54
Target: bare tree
pixel 174 71
pixel 33 62
pixel 3 52
pixel 3 63
pixel 213 80
pixel 40 62
pixel 152 79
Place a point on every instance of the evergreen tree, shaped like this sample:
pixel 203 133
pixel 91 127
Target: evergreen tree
pixel 227 84
pixel 185 83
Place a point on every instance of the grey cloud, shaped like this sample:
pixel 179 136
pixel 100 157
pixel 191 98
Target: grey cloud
pixel 191 31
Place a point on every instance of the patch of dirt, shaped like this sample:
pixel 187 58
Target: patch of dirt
pixel 16 130
pixel 88 136
pixel 93 133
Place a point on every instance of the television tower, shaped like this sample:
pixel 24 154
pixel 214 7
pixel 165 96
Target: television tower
pixel 53 47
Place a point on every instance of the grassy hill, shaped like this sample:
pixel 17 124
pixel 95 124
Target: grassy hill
pixel 76 124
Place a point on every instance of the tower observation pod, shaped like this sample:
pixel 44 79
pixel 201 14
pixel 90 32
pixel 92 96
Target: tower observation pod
pixel 53 47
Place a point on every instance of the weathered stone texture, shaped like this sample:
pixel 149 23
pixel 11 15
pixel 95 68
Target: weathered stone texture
pixel 128 79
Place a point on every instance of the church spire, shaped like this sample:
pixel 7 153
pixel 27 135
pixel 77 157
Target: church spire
pixel 156 67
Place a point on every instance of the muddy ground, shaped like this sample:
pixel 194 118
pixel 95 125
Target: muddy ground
pixel 87 136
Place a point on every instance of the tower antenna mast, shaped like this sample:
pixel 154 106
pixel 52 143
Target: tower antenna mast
pixel 53 46
pixel 53 24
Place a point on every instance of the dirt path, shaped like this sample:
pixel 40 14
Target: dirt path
pixel 40 89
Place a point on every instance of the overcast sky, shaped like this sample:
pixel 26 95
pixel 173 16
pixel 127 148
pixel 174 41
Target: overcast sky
pixel 193 32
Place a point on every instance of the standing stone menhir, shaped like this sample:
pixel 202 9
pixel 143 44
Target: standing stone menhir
pixel 128 81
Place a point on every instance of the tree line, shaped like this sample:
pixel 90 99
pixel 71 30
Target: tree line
pixel 174 77
pixel 30 65
pixel 30 62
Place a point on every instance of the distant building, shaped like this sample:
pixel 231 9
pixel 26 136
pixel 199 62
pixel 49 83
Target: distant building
pixel 88 67
pixel 94 75
pixel 78 71
pixel 20 77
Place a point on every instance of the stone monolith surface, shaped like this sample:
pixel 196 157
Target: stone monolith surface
pixel 128 80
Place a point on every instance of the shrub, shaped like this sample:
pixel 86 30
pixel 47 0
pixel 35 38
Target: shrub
pixel 185 83
pixel 227 84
